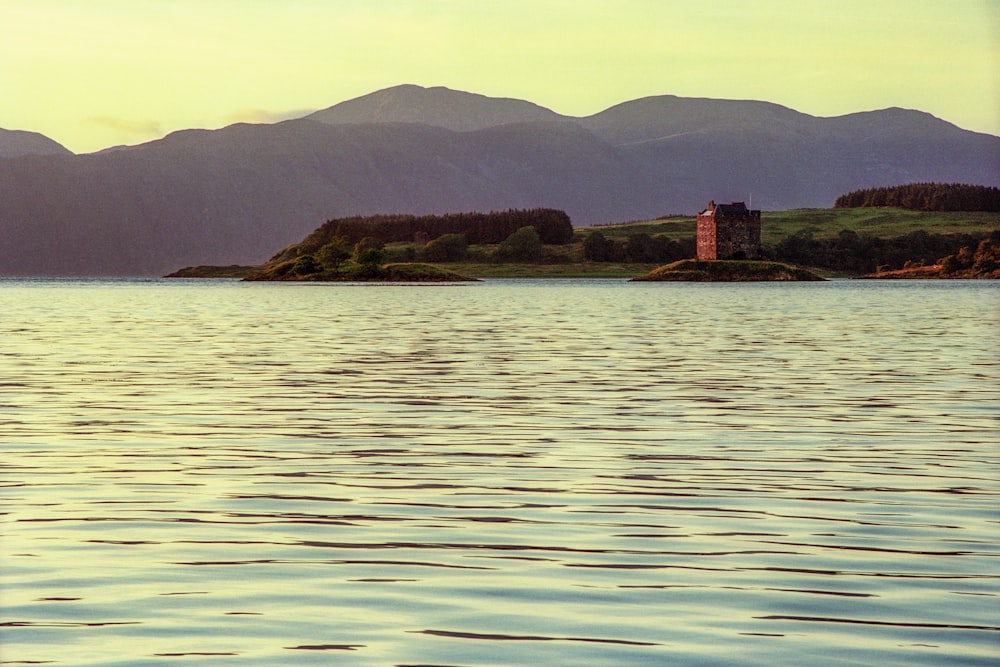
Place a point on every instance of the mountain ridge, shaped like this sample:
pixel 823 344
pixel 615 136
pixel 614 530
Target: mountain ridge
pixel 232 195
pixel 409 103
pixel 18 143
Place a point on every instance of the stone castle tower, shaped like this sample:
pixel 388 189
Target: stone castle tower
pixel 728 231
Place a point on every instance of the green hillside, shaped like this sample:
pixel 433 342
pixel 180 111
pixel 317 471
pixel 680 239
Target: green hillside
pixel 823 223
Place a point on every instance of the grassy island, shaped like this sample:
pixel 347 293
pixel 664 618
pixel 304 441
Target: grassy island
pixel 847 242
pixel 401 272
pixel 231 271
pixel 701 270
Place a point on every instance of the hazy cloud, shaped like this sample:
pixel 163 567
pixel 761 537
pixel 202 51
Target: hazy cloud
pixel 144 128
pixel 264 116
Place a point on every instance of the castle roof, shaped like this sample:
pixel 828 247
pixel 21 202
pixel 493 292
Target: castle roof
pixel 728 209
pixel 734 208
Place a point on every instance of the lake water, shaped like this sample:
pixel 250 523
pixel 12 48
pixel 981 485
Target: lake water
pixel 502 473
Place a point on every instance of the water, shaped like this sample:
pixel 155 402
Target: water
pixel 512 472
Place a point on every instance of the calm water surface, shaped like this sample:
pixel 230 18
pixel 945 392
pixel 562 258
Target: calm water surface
pixel 511 472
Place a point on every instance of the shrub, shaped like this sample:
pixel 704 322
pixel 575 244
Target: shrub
pixel 306 265
pixel 370 257
pixel 334 253
pixel 640 248
pixel 524 245
pixel 949 264
pixel 367 243
pixel 595 247
pixel 447 248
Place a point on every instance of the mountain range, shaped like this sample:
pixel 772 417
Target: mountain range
pixel 237 194
pixel 15 143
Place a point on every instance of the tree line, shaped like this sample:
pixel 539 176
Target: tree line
pixel 849 251
pixel 925 197
pixel 553 227
pixel 638 248
pixel 861 253
pixel 981 262
pixel 366 257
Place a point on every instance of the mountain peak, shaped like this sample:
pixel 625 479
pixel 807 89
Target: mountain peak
pixel 894 121
pixel 663 116
pixel 438 106
pixel 15 143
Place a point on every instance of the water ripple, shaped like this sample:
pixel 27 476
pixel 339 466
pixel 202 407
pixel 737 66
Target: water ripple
pixel 530 472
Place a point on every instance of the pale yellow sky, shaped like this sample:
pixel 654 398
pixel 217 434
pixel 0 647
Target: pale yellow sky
pixel 96 73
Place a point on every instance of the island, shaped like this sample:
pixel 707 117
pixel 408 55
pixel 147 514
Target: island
pixel 400 272
pixel 231 271
pixel 727 270
pixel 866 241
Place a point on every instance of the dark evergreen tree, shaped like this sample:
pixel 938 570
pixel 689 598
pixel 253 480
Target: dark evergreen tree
pixel 595 247
pixel 925 197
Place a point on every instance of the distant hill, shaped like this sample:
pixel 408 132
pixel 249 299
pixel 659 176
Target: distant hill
pixel 15 143
pixel 231 196
pixel 667 117
pixel 438 107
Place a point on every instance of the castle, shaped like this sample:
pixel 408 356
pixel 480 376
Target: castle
pixel 728 231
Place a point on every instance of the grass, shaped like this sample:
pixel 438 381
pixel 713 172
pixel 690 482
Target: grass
pixel 675 228
pixel 823 223
pixel 880 222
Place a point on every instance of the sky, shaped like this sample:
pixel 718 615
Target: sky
pixel 97 73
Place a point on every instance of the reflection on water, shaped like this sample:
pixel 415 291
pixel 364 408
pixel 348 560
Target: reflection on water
pixel 529 472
